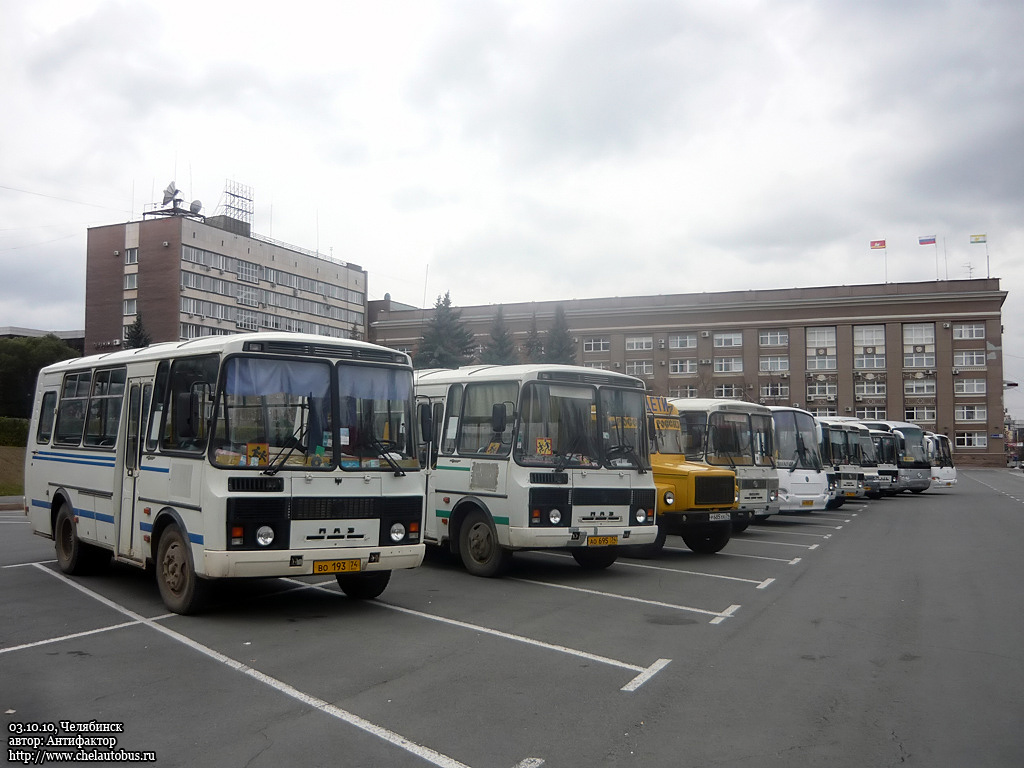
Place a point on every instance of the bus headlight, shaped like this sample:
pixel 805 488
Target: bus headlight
pixel 264 535
pixel 669 498
pixel 555 516
pixel 773 495
pixel 641 515
pixel 397 532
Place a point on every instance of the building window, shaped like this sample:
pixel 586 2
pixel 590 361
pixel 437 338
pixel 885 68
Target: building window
pixel 969 358
pixel 682 341
pixel 771 363
pixel 129 307
pixel 970 413
pixel 640 367
pixel 729 339
pixel 822 389
pixel 637 343
pixel 248 271
pixel 869 336
pixel 728 365
pixel 689 390
pixel 131 255
pixel 131 281
pixel 246 320
pixel 968 330
pixel 779 338
pixel 866 362
pixel 597 344
pixel 971 440
pixel 871 413
pixel 869 388
pixel 734 391
pixel 601 365
pixel 821 348
pixel 916 414
pixel 775 390
pixel 919 345
pixel 919 387
pixel 824 410
pixel 969 386
pixel 686 365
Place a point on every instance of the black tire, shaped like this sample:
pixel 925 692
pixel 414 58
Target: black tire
pixel 708 540
pixel 180 588
pixel 364 586
pixel 479 549
pixel 645 550
pixel 739 526
pixel 835 503
pixel 595 558
pixel 74 557
pixel 917 490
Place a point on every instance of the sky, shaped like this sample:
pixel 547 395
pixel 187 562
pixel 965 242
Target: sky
pixel 527 150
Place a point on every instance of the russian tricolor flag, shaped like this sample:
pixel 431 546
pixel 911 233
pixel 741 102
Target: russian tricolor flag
pixel 926 240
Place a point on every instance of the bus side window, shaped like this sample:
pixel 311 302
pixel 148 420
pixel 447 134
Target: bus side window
pixel 451 426
pixel 47 413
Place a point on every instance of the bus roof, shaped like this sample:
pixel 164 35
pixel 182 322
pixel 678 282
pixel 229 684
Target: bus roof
pixel 709 404
pixel 274 342
pixel 577 373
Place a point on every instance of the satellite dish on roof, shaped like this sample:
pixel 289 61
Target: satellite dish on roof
pixel 196 206
pixel 170 193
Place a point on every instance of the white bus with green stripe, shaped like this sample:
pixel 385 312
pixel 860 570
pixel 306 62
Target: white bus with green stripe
pixel 529 457
pixel 250 454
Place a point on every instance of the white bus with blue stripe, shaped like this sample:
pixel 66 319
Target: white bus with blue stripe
pixel 247 455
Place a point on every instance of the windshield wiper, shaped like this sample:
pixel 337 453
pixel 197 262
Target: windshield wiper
pixel 382 449
pixel 628 450
pixel 282 455
pixel 562 459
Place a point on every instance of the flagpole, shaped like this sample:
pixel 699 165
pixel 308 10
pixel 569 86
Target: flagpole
pixel 945 257
pixel 936 244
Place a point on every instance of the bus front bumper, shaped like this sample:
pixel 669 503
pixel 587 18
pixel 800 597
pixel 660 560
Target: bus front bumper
pixel 289 562
pixel 579 536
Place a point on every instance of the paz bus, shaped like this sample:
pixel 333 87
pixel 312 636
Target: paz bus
pixel 536 457
pixel 803 480
pixel 940 452
pixel 841 440
pixel 695 500
pixel 737 435
pixel 912 464
pixel 251 454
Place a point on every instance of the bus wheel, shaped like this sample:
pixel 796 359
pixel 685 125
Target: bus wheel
pixel 478 545
pixel 363 586
pixel 75 557
pixel 180 588
pixel 595 559
pixel 739 526
pixel 707 541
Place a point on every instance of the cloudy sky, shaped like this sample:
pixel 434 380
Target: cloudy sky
pixel 509 151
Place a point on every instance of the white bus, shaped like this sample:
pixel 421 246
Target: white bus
pixel 914 467
pixel 841 440
pixel 940 452
pixel 803 480
pixel 737 435
pixel 257 454
pixel 885 454
pixel 536 457
pixel 876 482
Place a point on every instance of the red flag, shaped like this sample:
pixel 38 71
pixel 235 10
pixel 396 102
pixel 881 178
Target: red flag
pixel 877 244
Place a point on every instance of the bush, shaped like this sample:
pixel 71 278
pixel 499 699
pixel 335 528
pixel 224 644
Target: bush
pixel 13 431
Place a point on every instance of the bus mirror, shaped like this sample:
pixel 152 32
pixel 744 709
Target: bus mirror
pixel 498 418
pixel 426 423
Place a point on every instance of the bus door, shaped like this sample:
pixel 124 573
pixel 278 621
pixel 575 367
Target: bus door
pixel 139 393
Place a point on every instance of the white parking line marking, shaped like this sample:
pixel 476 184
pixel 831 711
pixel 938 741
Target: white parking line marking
pixel 72 636
pixel 784 532
pixel 782 544
pixel 765 583
pixel 326 707
pixel 673 606
pixel 760 557
pixel 728 612
pixel 646 672
pixel 688 573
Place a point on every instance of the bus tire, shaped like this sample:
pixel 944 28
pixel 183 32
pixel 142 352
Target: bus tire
pixel 739 526
pixel 180 588
pixel 596 558
pixel 75 557
pixel 481 553
pixel 363 586
pixel 708 540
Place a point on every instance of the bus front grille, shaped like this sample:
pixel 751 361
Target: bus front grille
pixel 716 491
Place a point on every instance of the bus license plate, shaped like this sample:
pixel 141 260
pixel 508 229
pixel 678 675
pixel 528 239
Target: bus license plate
pixel 851 494
pixel 335 566
pixel 713 516
pixel 807 502
pixel 602 541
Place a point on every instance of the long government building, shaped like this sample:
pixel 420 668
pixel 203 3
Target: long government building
pixel 924 352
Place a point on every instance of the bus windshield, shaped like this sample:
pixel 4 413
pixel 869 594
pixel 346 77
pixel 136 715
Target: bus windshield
pixel 911 448
pixel 885 448
pixel 729 439
pixel 764 445
pixel 694 426
pixel 668 436
pixel 867 450
pixel 797 440
pixel 275 414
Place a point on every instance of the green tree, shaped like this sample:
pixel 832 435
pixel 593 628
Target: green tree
pixel 137 336
pixel 446 342
pixel 20 361
pixel 500 348
pixel 533 349
pixel 560 347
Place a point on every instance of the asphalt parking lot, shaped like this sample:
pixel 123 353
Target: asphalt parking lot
pixel 876 634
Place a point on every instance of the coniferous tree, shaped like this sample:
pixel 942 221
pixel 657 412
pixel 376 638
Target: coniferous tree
pixel 533 349
pixel 20 361
pixel 137 336
pixel 560 347
pixel 500 348
pixel 446 342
